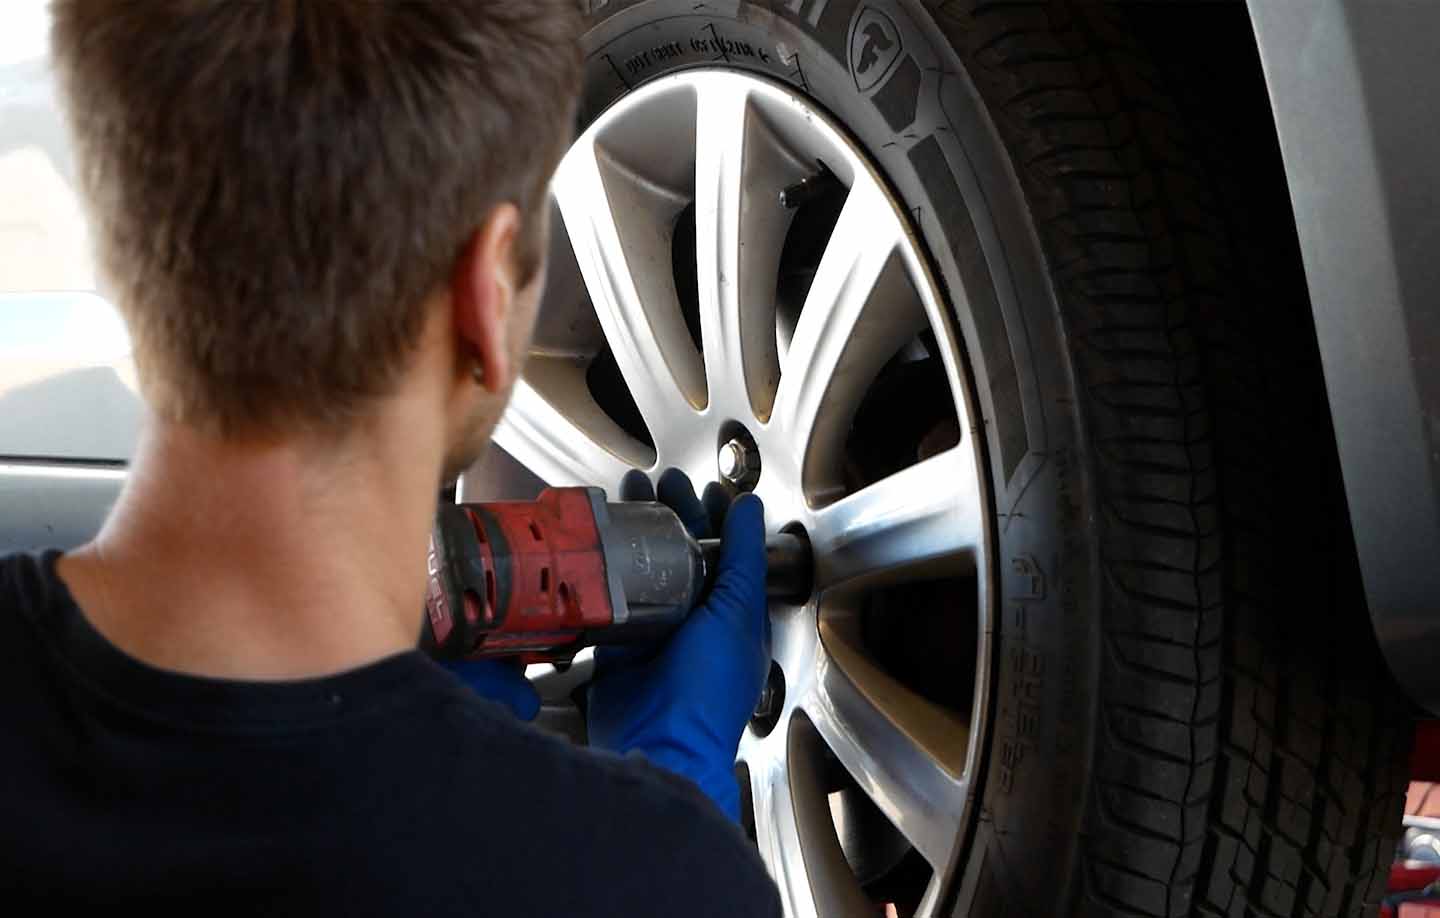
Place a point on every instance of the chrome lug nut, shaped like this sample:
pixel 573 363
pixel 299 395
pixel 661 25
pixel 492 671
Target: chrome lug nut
pixel 739 463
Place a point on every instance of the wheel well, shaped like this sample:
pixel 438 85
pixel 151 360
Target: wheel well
pixel 1208 56
pixel 1207 53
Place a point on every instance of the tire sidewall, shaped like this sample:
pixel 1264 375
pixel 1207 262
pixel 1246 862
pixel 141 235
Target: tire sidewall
pixel 913 108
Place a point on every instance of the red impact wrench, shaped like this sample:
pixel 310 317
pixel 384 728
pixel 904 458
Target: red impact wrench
pixel 541 579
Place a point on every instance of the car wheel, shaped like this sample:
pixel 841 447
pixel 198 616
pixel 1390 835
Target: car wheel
pixel 918 278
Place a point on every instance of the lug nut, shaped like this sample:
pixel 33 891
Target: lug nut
pixel 765 707
pixel 772 702
pixel 739 463
pixel 730 460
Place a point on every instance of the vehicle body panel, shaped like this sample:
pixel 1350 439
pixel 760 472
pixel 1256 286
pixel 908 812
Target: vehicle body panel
pixel 46 505
pixel 70 412
pixel 1352 86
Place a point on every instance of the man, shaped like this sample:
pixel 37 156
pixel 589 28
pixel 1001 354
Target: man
pixel 324 224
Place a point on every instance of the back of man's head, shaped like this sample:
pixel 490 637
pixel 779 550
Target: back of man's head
pixel 278 186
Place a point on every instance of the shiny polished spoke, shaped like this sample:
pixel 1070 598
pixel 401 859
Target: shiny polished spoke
pixel 720 132
pixel 861 246
pixel 832 883
pixel 640 320
pixel 891 742
pixel 553 446
pixel 922 519
pixel 777 833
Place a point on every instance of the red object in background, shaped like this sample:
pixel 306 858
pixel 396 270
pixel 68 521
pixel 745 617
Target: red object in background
pixel 1425 757
pixel 1422 799
pixel 1423 802
pixel 1405 875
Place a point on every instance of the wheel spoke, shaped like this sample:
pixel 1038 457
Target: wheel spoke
pixel 892 760
pixel 861 246
pixel 794 830
pixel 629 285
pixel 740 169
pixel 719 167
pixel 553 446
pixel 777 833
pixel 930 901
pixel 918 520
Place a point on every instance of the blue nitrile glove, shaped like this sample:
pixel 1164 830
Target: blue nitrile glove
pixel 501 681
pixel 684 703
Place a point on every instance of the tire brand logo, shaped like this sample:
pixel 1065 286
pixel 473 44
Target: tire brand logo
pixel 1027 579
pixel 874 48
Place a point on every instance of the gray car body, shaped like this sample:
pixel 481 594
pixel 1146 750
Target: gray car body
pixel 1353 86
pixel 1349 84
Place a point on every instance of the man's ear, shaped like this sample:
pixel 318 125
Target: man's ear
pixel 482 292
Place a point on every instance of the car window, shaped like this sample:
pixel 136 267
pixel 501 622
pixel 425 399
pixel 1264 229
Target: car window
pixel 67 387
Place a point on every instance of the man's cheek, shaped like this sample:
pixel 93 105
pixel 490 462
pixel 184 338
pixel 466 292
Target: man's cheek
pixel 468 446
pixel 530 302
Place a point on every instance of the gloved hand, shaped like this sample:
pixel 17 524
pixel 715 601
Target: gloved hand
pixel 502 681
pixel 684 703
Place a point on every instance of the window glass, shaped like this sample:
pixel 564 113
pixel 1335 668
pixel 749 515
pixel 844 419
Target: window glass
pixel 67 387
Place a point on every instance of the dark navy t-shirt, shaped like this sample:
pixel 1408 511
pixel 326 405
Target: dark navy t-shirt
pixel 387 790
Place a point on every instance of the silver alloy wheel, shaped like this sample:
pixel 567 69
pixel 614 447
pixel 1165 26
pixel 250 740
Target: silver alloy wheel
pixel 728 144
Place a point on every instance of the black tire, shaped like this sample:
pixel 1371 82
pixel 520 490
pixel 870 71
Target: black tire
pixel 1308 702
pixel 1174 729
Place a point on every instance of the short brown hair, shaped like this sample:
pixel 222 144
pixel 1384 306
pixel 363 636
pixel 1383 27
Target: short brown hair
pixel 276 186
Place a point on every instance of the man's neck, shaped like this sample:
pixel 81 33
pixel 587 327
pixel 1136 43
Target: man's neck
pixel 261 560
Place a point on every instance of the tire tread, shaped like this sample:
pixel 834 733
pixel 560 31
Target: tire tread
pixel 1277 760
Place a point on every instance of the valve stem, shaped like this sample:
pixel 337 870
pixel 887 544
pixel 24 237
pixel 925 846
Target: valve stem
pixel 811 187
